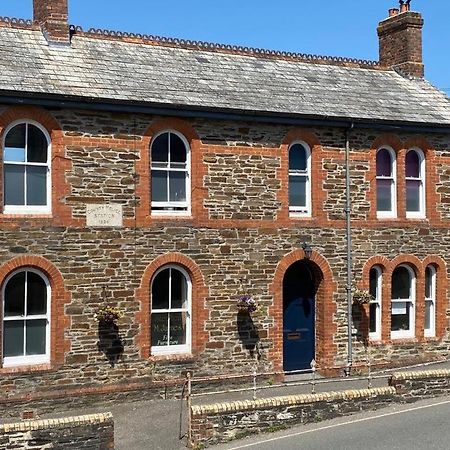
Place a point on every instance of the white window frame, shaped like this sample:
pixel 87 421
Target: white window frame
pixel 393 212
pixel 174 349
pixel 301 211
pixel 411 303
pixel 29 209
pixel 431 332
pixel 376 335
pixel 13 361
pixel 170 205
pixel 421 179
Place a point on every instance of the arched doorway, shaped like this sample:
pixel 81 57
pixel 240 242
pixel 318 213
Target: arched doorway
pixel 299 314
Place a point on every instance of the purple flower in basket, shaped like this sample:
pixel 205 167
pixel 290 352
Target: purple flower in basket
pixel 247 303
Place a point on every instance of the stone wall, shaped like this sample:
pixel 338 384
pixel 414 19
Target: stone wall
pixel 222 422
pixel 413 386
pixel 94 432
pixel 237 236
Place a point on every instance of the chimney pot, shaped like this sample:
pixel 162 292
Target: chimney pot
pixel 393 12
pixel 404 7
pixel 52 16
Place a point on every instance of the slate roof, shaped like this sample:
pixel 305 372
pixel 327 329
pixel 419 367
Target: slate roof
pixel 113 70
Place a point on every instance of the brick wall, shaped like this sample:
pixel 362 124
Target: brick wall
pixel 238 240
pixel 401 43
pixel 52 15
pixel 95 432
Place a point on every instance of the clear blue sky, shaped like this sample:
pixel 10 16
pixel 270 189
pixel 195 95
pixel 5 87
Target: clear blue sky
pixel 325 27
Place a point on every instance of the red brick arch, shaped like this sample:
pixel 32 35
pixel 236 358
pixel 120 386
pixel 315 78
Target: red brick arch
pixel 325 309
pixel 380 261
pixel 419 267
pixel 183 127
pixel 432 198
pixel 171 123
pixel 31 113
pixel 59 321
pixel 60 164
pixel 441 292
pixel 317 174
pixel 199 294
pixel 393 141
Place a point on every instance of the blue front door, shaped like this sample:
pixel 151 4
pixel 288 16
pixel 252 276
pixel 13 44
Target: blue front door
pixel 298 317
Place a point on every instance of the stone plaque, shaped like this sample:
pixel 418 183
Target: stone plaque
pixel 104 215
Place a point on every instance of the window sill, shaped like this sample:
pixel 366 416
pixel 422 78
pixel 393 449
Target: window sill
pixel 297 216
pixel 22 215
pixel 383 217
pixel 36 368
pixel 173 358
pixel 403 340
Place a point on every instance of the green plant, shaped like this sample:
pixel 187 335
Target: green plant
pixel 275 428
pixel 199 446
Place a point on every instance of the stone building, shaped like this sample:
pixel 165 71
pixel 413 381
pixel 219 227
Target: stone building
pixel 169 178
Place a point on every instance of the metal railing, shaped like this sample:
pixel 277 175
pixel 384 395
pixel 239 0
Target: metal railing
pixel 313 381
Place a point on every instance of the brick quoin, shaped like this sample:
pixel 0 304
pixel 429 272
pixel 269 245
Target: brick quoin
pixel 59 322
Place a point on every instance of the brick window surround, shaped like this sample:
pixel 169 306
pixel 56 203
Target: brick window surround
pixel 387 267
pixel 199 311
pixel 60 214
pixel 59 321
pixel 326 308
pixel 317 175
pixel 143 188
pixel 400 149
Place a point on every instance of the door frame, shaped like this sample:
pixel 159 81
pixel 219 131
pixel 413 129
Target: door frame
pixel 325 327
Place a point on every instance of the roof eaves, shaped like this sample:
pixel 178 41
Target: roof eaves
pixel 74 102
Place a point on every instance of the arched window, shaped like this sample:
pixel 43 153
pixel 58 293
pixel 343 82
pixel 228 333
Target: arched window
pixel 299 179
pixel 26 169
pixel 375 286
pixel 171 311
pixel 170 169
pixel 402 302
pixel 430 301
pixel 415 186
pixel 26 318
pixel 386 183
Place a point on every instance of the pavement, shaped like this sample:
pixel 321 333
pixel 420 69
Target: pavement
pixel 162 424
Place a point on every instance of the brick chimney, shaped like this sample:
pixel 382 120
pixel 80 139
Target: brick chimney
pixel 52 16
pixel 401 41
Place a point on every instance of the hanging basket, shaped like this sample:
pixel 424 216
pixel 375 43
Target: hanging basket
pixel 361 297
pixel 108 314
pixel 247 304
